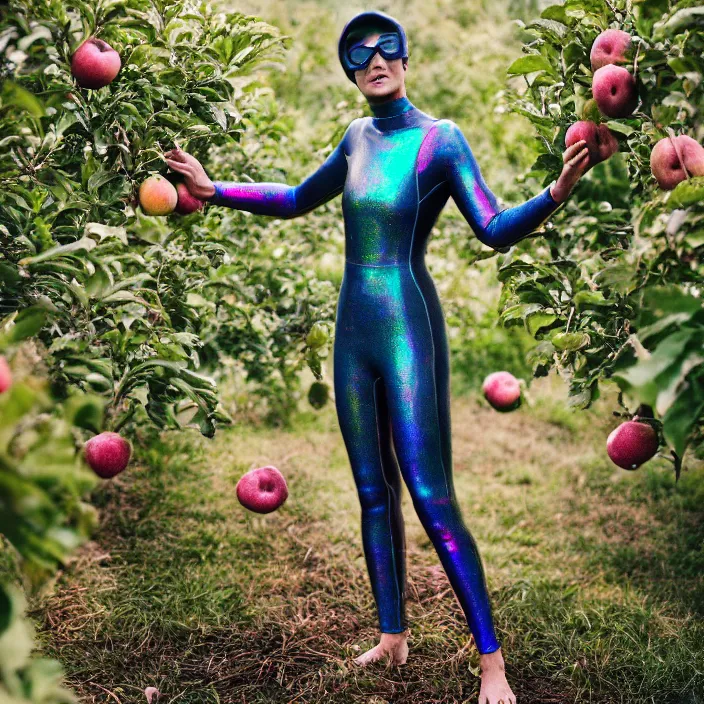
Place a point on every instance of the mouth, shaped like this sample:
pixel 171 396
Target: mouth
pixel 378 78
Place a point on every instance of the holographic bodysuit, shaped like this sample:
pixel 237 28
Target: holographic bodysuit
pixel 396 171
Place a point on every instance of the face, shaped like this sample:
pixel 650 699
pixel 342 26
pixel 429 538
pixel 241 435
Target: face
pixel 392 76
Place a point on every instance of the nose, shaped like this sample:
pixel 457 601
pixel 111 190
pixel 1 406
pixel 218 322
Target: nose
pixel 377 61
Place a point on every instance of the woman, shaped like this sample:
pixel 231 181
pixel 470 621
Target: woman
pixel 396 170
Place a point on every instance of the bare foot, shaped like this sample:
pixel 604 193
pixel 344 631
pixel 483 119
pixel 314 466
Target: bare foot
pixel 392 645
pixel 494 689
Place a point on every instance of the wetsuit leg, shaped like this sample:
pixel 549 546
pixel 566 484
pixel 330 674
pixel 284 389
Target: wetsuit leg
pixel 418 392
pixel 362 411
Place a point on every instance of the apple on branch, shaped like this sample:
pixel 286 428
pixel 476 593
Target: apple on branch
pixel 631 444
pixel 614 90
pixel 95 64
pixel 157 196
pixel 669 167
pixel 610 47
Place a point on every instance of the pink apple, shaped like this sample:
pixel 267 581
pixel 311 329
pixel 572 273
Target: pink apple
pixel 95 63
pixel 107 454
pixel 631 444
pixel 609 47
pixel 614 90
pixel 665 163
pixel 5 375
pixel 186 202
pixel 601 142
pixel 502 391
pixel 262 489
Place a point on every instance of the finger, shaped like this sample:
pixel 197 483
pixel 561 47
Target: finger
pixel 579 158
pixel 177 155
pixel 573 149
pixel 179 166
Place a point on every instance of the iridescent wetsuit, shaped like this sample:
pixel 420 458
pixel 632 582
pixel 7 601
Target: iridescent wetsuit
pixel 396 171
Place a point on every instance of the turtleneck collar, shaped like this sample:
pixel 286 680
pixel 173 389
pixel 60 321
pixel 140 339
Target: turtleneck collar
pixel 393 114
pixel 391 108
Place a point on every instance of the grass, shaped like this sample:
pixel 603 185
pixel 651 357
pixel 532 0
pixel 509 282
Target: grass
pixel 595 572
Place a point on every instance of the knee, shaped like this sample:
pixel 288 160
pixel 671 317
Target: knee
pixel 440 519
pixel 373 496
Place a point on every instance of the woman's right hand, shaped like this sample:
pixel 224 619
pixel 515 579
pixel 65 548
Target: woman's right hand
pixel 195 178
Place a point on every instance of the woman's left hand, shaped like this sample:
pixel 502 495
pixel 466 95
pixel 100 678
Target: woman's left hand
pixel 576 162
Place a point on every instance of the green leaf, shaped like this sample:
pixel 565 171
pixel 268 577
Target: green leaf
pixel 103 231
pixel 590 299
pixel 14 94
pixel 680 20
pixel 683 414
pixel 620 127
pixel 648 377
pixel 85 244
pixel 536 321
pixel 687 192
pixel 570 341
pixel 28 323
pixel 529 64
pixel 100 178
pixel 85 411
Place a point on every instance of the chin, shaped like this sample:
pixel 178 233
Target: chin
pixel 385 93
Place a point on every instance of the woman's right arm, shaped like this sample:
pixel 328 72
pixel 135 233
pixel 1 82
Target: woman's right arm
pixel 279 199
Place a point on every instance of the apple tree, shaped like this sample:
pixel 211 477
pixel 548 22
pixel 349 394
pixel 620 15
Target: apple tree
pixel 612 290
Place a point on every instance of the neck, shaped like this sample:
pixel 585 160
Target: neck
pixel 391 108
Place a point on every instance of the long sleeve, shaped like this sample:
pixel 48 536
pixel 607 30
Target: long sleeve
pixel 494 227
pixel 283 201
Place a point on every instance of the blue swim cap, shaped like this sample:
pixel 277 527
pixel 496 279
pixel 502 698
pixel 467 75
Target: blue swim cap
pixel 369 20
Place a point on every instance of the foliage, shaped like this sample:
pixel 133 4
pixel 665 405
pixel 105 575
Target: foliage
pixel 43 517
pixel 129 306
pixel 619 271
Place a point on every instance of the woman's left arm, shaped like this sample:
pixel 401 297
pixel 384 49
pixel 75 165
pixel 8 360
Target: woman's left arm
pixel 500 229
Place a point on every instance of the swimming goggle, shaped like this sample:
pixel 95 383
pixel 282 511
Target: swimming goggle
pixel 388 45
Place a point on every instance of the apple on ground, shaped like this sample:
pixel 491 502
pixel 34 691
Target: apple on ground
pixel 107 454
pixel 665 163
pixel 262 490
pixel 95 64
pixel 157 196
pixel 631 444
pixel 502 391
pixel 610 47
pixel 601 142
pixel 614 90
pixel 5 375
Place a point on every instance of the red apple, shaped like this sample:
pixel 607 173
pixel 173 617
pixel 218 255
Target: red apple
pixel 262 489
pixel 107 454
pixel 5 375
pixel 614 90
pixel 502 391
pixel 95 64
pixel 601 142
pixel 665 163
pixel 186 202
pixel 609 47
pixel 631 444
